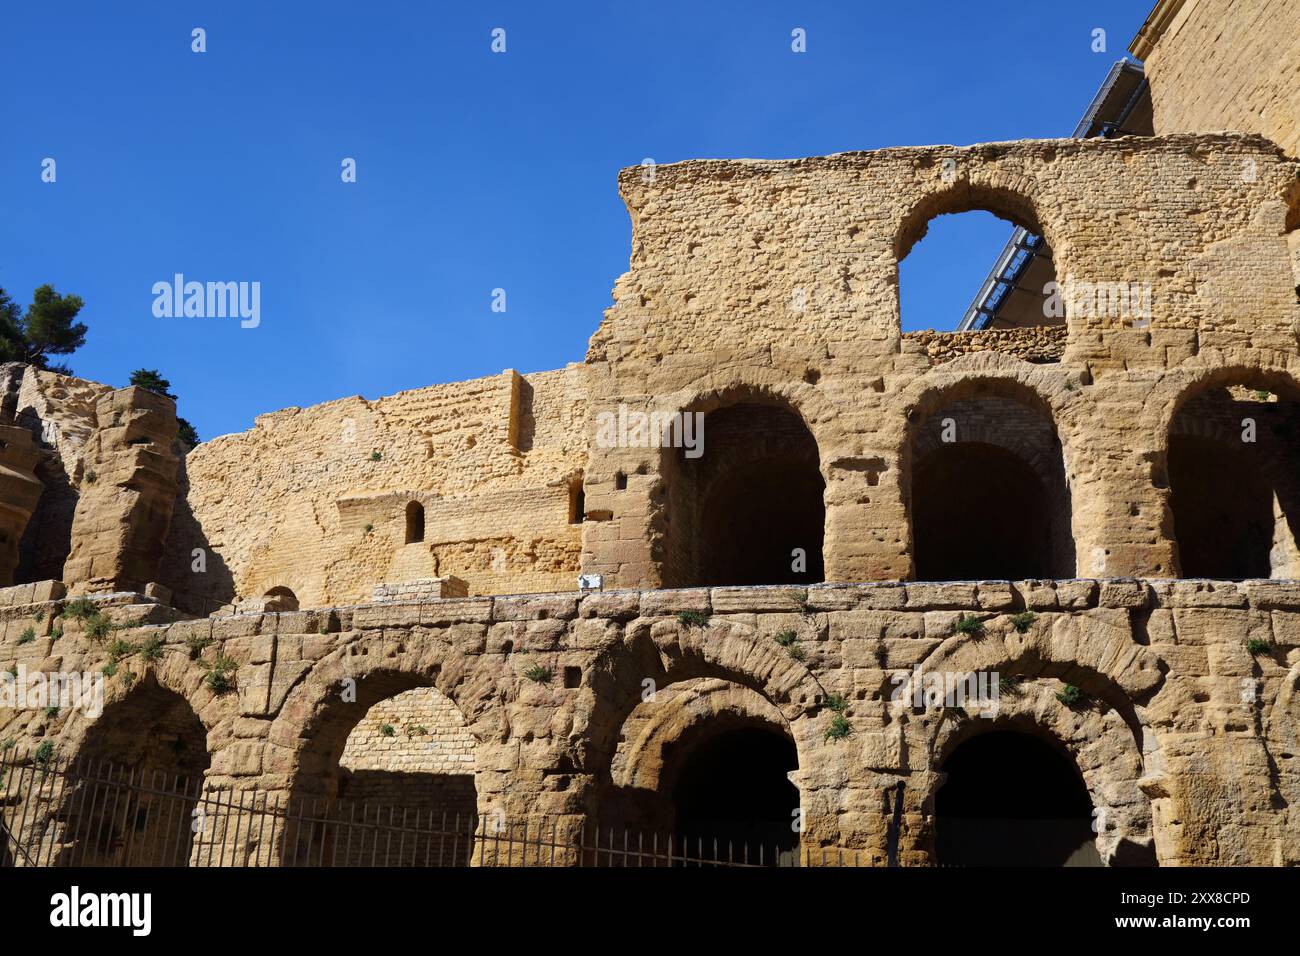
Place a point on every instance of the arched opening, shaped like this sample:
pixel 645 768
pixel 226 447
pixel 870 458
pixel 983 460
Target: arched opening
pixel 280 599
pixel 577 502
pixel 748 510
pixel 399 758
pixel 414 522
pixel 968 262
pixel 706 761
pixel 136 782
pixel 1012 799
pixel 1234 484
pixel 733 796
pixel 989 498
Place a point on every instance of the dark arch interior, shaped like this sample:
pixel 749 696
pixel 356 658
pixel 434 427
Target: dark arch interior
pixel 1012 799
pixel 1225 491
pixel 153 740
pixel 750 509
pixel 979 512
pixel 1223 510
pixel 414 522
pixel 733 788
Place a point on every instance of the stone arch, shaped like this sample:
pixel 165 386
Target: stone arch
pixel 151 739
pixel 721 651
pixel 1231 508
pixel 1100 659
pixel 279 598
pixel 735 513
pixel 1014 204
pixel 707 749
pixel 1018 206
pixel 984 473
pixel 319 717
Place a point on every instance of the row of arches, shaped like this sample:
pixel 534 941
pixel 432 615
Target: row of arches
pixel 987 490
pixel 709 761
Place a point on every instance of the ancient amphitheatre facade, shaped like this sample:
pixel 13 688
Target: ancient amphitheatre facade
pixel 1058 484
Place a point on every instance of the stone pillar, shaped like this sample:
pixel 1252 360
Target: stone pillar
pixel 20 489
pixel 127 493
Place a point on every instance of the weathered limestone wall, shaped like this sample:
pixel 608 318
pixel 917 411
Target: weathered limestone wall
pixel 1188 740
pixel 490 460
pixel 1224 65
pixel 776 282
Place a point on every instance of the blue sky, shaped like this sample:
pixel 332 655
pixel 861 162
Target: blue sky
pixel 475 170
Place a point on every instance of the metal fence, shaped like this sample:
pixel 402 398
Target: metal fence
pixel 93 813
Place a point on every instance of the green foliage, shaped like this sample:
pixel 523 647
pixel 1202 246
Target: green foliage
pixel 44 753
pixel 79 608
pixel 57 632
pixel 387 730
pixel 39 615
pixel 98 627
pixel 1022 621
pixel 129 679
pixel 151 380
pixel 786 638
pixel 538 674
pixel 1257 645
pixel 971 626
pixel 197 644
pixel 51 711
pixel 120 650
pixel 1009 685
pixel 110 669
pixel 152 649
pixel 220 676
pixel 27 636
pixel 839 728
pixel 91 477
pixel 795 653
pixel 1072 697
pixel 692 619
pixel 47 328
pixel 376 456
pixel 368 528
pixel 416 730
pixel 835 703
pixel 9 744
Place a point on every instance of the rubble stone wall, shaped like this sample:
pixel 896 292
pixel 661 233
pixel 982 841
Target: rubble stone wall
pixel 1186 738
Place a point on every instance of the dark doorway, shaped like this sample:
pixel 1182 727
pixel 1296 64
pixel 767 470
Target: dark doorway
pixel 1223 509
pixel 153 740
pixel 1012 799
pixel 979 512
pixel 750 510
pixel 734 789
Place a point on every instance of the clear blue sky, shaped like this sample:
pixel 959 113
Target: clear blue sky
pixel 475 170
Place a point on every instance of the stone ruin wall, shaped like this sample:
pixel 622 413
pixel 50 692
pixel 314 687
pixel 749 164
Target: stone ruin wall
pixel 776 281
pixel 1187 738
pixel 1198 771
pixel 492 462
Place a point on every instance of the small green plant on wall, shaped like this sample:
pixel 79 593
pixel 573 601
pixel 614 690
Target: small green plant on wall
pixel 538 674
pixel 220 675
pixel 1257 645
pixel 1022 621
pixel 1072 697
pixel 969 625
pixel 692 619
pixel 27 636
pixel 387 730
pixel 839 728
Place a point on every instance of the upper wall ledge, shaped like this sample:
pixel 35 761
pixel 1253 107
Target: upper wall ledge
pixel 975 596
